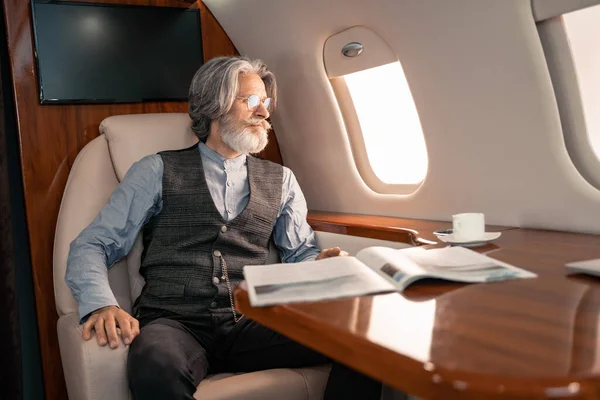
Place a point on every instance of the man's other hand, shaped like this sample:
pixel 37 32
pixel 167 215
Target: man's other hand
pixel 332 252
pixel 106 321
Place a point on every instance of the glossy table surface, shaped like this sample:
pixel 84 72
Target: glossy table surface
pixel 531 338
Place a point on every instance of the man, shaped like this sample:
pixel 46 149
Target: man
pixel 205 211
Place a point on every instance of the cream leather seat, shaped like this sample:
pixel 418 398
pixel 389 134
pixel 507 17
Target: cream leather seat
pixel 95 372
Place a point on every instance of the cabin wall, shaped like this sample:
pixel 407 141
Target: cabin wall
pixel 480 82
pixel 50 137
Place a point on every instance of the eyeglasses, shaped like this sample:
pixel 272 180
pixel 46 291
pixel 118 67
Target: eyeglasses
pixel 253 101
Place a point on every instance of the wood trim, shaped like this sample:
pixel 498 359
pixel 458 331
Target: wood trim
pixel 417 232
pixel 10 341
pixel 215 42
pixel 393 234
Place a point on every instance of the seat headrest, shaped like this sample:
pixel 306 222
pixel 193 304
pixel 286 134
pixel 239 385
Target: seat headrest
pixel 132 137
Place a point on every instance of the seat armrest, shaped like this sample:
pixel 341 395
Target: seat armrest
pixel 91 371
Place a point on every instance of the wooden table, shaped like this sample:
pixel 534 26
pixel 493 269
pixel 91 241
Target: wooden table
pixel 531 338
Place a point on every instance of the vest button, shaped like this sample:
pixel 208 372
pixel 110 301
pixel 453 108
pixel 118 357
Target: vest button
pixel 213 304
pixel 223 229
pixel 217 253
pixel 216 280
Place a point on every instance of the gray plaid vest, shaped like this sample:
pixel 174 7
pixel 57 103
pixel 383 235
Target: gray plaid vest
pixel 181 244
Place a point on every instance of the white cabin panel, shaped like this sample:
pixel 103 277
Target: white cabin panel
pixel 481 86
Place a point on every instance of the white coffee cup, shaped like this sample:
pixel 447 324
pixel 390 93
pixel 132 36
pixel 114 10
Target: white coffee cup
pixel 468 226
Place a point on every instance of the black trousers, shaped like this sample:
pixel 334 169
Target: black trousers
pixel 172 355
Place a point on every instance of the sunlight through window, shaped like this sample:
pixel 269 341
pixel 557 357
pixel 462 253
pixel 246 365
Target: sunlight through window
pixel 390 124
pixel 583 31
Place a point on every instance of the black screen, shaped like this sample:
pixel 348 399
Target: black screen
pixel 98 53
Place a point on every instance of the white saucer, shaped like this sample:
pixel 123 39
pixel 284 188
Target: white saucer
pixel 487 237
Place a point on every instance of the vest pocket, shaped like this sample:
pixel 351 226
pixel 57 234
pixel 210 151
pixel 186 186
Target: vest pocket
pixel 162 288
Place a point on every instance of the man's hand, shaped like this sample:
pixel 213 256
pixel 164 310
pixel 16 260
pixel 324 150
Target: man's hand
pixel 106 321
pixel 332 252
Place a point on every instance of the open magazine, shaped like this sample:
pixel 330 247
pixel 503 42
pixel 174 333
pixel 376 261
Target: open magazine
pixel 373 270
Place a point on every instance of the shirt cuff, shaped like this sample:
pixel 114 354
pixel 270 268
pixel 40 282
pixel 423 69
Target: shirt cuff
pixel 87 309
pixel 309 255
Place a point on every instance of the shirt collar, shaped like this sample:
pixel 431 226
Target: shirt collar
pixel 219 159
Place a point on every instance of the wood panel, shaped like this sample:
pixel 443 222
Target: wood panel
pixel 528 338
pixel 10 343
pixel 414 231
pixel 50 138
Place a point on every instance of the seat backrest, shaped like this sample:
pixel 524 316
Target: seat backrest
pixel 96 172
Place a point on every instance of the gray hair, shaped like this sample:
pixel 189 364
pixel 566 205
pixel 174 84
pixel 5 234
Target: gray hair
pixel 215 87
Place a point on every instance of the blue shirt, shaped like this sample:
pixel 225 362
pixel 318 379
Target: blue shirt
pixel 138 198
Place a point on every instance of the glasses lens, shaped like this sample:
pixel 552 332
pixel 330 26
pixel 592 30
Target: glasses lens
pixel 253 101
pixel 267 104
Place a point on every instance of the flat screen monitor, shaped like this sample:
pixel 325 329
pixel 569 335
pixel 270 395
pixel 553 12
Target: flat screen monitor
pixel 104 53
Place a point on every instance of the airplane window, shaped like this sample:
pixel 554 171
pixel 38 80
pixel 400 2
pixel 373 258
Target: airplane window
pixel 389 123
pixel 583 31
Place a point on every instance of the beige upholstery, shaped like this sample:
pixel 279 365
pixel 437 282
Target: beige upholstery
pixel 94 372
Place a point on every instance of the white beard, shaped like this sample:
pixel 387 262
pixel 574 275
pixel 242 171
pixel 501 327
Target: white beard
pixel 242 138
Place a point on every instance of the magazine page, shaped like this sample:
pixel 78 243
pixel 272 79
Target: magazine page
pixel 330 278
pixel 403 267
pixel 392 265
pixel 461 264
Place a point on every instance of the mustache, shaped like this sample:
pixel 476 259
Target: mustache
pixel 257 121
